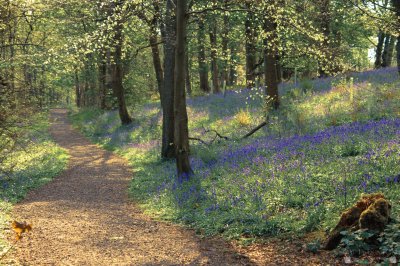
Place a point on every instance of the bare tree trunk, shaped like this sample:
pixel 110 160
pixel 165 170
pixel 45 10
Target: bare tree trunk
pixel 203 67
pixel 77 91
pixel 214 64
pixel 102 81
pixel 167 96
pixel 325 24
pixel 385 53
pixel 225 32
pixel 232 67
pixel 117 73
pixel 398 53
pixel 391 50
pixel 379 47
pixel 396 5
pixel 250 47
pixel 156 53
pixel 181 118
pixel 270 62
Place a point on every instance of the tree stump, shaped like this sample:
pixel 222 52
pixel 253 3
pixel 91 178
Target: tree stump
pixel 370 212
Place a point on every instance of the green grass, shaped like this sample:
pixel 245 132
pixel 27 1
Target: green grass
pixel 36 164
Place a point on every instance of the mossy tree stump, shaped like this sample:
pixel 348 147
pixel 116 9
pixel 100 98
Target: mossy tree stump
pixel 370 212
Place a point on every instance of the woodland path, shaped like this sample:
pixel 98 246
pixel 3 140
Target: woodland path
pixel 85 217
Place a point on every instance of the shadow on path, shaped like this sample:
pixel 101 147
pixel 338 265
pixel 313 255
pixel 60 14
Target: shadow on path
pixel 85 217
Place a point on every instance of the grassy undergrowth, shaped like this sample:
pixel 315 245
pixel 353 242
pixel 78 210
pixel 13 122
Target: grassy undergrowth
pixel 35 163
pixel 332 140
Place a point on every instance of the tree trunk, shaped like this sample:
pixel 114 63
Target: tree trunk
pixel 398 53
pixel 181 119
pixel 203 67
pixel 250 48
pixel 385 52
pixel 232 67
pixel 187 74
pixel 167 95
pixel 391 50
pixel 102 81
pixel 325 24
pixel 396 5
pixel 156 53
pixel 270 63
pixel 117 74
pixel 379 47
pixel 214 63
pixel 78 98
pixel 225 32
pixel 85 96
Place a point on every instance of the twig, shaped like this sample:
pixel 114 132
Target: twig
pixel 199 140
pixel 254 130
pixel 219 135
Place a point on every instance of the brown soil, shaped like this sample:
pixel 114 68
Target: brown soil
pixel 85 217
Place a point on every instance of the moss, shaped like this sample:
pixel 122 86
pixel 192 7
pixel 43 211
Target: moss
pixel 376 216
pixel 369 212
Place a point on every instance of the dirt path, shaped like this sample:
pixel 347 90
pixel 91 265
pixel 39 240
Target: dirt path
pixel 84 217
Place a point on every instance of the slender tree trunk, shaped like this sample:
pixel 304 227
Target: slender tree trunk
pixel 214 63
pixel 232 67
pixel 203 67
pixel 270 63
pixel 181 118
pixel 396 5
pixel 42 85
pixel 391 50
pixel 117 74
pixel 85 96
pixel 156 53
pixel 379 48
pixel 102 81
pixel 78 94
pixel 167 96
pixel 385 52
pixel 325 24
pixel 225 32
pixel 250 47
pixel 13 32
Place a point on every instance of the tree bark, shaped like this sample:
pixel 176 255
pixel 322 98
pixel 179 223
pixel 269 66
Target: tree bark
pixel 214 63
pixel 181 119
pixel 232 67
pixel 325 24
pixel 225 32
pixel 102 81
pixel 167 95
pixel 396 5
pixel 379 48
pixel 156 53
pixel 398 54
pixel 270 63
pixel 250 47
pixel 385 52
pixel 187 73
pixel 117 72
pixel 391 50
pixel 203 67
pixel 78 97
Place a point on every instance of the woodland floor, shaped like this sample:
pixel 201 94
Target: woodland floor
pixel 85 217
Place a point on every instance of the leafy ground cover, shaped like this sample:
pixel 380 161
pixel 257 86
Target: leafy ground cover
pixel 35 163
pixel 332 140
